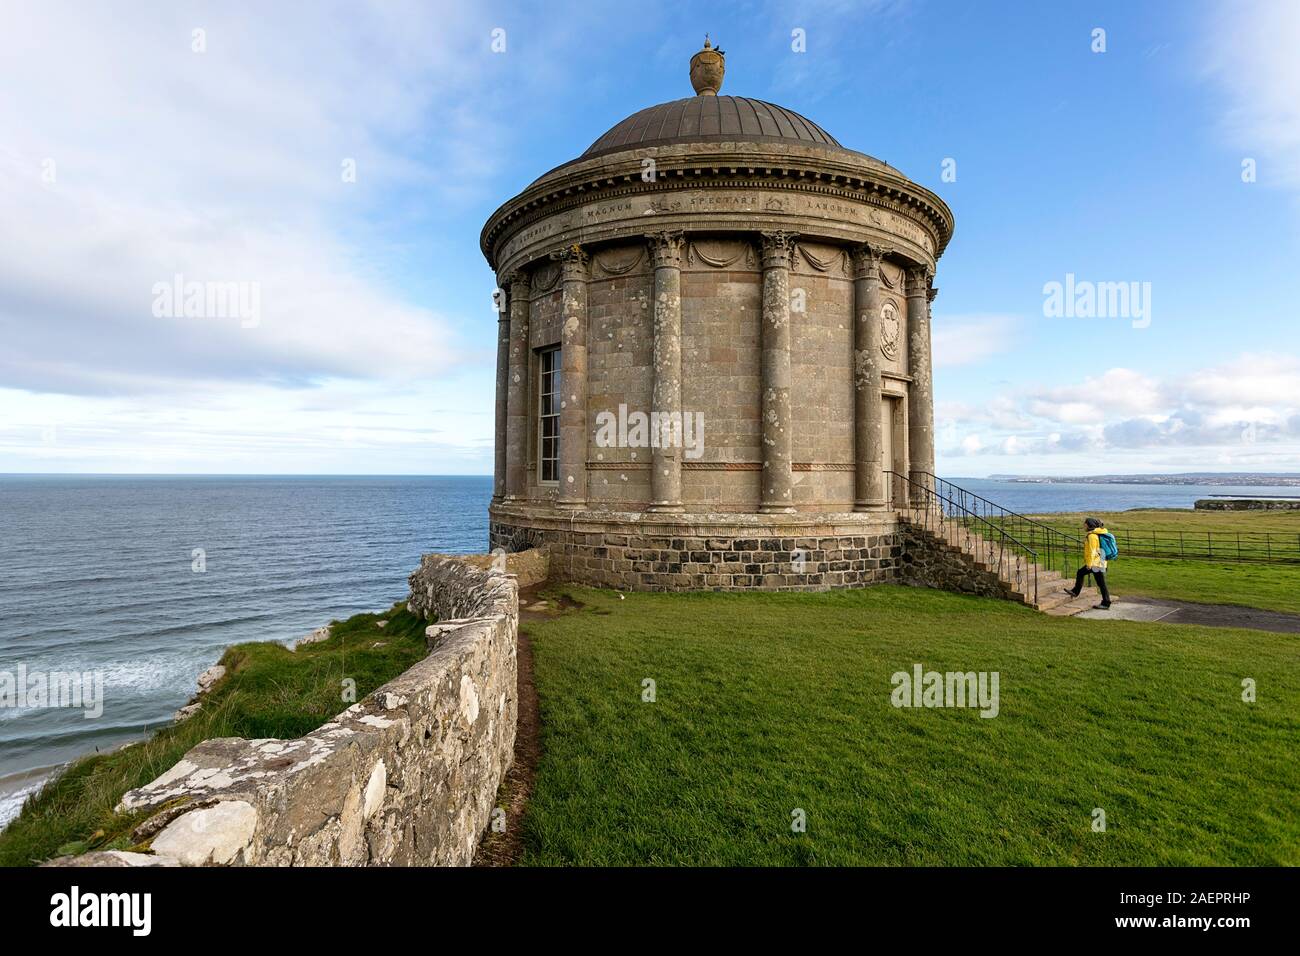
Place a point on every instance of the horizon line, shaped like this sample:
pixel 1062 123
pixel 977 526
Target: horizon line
pixel 305 474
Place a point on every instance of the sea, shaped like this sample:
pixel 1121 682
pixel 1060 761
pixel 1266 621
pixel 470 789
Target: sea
pixel 146 580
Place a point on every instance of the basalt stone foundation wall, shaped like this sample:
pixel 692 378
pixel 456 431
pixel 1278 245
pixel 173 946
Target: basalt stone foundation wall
pixel 721 552
pixel 928 562
pixel 408 776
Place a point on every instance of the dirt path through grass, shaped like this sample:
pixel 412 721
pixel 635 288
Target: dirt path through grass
pixel 502 847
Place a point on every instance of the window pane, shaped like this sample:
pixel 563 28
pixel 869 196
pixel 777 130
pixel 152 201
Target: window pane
pixel 548 430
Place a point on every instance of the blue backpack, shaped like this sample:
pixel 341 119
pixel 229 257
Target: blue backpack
pixel 1109 549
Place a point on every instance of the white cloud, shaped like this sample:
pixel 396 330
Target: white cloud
pixel 1245 412
pixel 1117 390
pixel 970 339
pixel 1250 51
pixel 336 427
pixel 1250 380
pixel 224 166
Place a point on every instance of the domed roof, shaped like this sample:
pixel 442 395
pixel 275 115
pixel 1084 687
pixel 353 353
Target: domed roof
pixel 710 142
pixel 710 118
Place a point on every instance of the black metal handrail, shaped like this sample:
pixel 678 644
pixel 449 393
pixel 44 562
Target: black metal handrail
pixel 1015 561
pixel 1058 550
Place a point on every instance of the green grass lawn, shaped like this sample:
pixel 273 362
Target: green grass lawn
pixel 1221 536
pixel 1271 585
pixel 771 703
pixel 268 691
pixel 1252 584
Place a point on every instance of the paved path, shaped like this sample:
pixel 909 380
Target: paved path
pixel 1187 612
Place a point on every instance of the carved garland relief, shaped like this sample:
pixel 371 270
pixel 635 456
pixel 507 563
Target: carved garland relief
pixel 545 277
pixel 720 255
pixel 609 264
pixel 836 259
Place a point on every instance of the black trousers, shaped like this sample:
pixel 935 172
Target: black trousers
pixel 1099 577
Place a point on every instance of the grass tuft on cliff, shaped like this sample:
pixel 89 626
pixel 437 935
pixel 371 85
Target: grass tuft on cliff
pixel 268 691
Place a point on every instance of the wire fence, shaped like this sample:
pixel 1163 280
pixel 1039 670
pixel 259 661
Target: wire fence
pixel 1266 546
pixel 1281 547
pixel 1059 548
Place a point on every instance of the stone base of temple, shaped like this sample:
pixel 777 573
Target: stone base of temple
pixel 706 552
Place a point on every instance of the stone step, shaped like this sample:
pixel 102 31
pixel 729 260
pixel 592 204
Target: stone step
pixel 1019 582
pixel 1073 606
pixel 1052 598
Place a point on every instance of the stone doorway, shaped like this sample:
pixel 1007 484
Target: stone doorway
pixel 893 430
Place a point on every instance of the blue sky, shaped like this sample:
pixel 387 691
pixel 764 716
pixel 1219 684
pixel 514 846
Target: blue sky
pixel 137 149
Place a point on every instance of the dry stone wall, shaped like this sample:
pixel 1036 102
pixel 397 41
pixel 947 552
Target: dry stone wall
pixel 528 567
pixel 1247 504
pixel 407 776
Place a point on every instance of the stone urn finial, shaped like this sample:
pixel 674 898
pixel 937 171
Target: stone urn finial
pixel 707 68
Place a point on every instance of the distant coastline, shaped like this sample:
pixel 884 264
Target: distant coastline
pixel 1225 479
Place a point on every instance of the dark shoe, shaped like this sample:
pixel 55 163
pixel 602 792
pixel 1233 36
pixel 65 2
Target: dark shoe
pixel 1071 593
pixel 1101 607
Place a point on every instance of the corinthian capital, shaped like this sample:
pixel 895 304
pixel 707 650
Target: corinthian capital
pixel 666 249
pixel 866 260
pixel 777 247
pixel 573 262
pixel 517 283
pixel 918 280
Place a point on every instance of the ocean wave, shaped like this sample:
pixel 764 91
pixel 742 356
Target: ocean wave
pixel 11 803
pixel 95 575
pixel 149 672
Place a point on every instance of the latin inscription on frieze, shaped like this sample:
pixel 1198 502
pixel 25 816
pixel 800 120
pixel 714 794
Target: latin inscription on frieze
pixel 605 211
pixel 568 226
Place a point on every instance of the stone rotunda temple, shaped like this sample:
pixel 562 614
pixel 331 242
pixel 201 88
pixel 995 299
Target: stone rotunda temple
pixel 714 352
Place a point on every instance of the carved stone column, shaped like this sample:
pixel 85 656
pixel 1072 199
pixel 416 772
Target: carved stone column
pixel 573 378
pixel 777 491
pixel 517 389
pixel 502 392
pixel 666 455
pixel 920 401
pixel 868 403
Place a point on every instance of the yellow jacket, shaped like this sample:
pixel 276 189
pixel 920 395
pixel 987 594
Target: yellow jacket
pixel 1092 557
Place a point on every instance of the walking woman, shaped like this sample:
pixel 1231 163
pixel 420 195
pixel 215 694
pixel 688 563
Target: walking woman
pixel 1095 550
